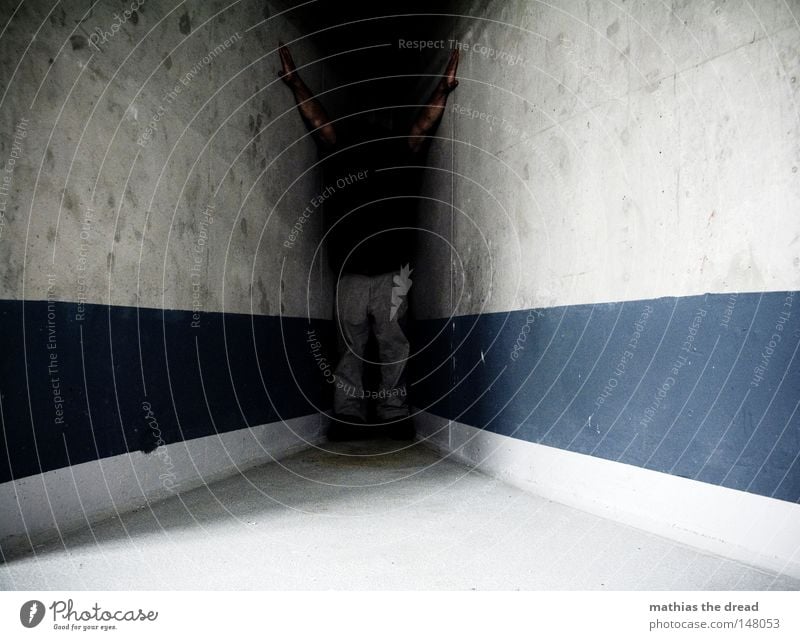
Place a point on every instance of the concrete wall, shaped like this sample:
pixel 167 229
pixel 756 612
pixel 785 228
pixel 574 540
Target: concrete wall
pixel 609 268
pixel 612 260
pixel 94 162
pixel 621 152
pixel 40 507
pixel 152 289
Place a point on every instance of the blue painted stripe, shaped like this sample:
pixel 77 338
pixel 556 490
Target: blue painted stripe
pixel 703 387
pixel 95 381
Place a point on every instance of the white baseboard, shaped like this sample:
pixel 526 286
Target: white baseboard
pixel 38 507
pixel 750 528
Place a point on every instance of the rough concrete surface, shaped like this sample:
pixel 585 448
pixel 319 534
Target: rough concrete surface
pixel 370 515
pixel 169 140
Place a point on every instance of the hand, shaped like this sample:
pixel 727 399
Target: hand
pixel 448 81
pixel 288 72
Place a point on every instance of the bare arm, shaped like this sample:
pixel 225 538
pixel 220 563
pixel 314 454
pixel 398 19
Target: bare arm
pixel 430 115
pixel 310 108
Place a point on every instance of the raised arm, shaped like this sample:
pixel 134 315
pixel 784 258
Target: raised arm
pixel 430 115
pixel 310 108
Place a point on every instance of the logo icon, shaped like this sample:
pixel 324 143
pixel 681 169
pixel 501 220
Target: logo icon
pixel 402 283
pixel 31 613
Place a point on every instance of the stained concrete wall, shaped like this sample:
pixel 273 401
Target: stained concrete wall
pixel 155 282
pixel 607 152
pixel 607 290
pixel 136 126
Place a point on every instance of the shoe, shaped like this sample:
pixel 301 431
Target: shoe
pixel 402 430
pixel 343 428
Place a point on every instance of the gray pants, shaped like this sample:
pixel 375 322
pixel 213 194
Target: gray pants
pixel 359 300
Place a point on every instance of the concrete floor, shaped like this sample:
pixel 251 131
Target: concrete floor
pixel 368 517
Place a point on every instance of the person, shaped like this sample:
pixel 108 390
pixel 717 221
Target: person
pixel 370 188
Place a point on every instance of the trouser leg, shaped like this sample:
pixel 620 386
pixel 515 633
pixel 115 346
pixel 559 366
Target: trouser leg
pixel 352 301
pixel 388 314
